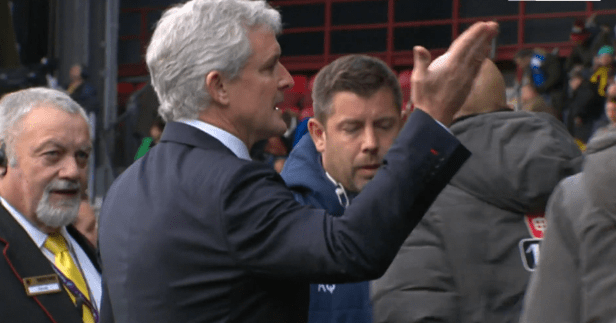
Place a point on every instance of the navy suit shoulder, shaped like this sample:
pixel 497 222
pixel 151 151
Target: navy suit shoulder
pixel 229 242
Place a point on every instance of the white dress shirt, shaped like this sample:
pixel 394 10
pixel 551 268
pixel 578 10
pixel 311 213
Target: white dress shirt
pixel 93 278
pixel 230 141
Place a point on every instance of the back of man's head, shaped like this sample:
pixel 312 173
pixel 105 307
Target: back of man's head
pixel 488 92
pixel 195 38
pixel 359 74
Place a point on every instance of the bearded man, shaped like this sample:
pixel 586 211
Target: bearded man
pixel 48 269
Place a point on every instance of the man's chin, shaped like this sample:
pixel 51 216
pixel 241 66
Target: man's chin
pixel 58 216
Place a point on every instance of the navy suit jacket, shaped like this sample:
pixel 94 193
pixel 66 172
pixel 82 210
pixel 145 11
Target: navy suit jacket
pixel 21 258
pixel 191 233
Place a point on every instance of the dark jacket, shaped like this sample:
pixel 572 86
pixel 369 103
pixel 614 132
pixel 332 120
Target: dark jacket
pixel 21 258
pixel 85 95
pixel 586 103
pixel 470 258
pixel 191 233
pixel 329 303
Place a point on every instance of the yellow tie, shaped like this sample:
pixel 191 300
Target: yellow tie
pixel 64 262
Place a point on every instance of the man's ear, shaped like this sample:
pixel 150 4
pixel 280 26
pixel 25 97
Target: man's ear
pixel 317 133
pixel 216 86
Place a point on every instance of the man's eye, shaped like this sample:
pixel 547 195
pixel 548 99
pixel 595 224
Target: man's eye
pixel 83 155
pixel 53 153
pixel 386 125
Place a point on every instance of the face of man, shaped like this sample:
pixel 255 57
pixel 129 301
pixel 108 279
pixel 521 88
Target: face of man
pixel 575 82
pixel 52 149
pixel 356 136
pixel 605 60
pixel 75 73
pixel 610 103
pixel 522 62
pixel 260 86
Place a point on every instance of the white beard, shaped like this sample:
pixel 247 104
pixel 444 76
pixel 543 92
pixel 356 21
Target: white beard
pixel 64 212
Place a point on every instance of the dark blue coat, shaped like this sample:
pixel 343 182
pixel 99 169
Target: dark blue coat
pixel 335 303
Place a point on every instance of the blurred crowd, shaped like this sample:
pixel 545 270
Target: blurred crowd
pixel 574 89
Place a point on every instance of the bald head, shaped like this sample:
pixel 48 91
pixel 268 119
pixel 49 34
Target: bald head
pixel 487 93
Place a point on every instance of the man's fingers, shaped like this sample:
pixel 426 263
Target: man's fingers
pixel 472 40
pixel 480 48
pixel 421 58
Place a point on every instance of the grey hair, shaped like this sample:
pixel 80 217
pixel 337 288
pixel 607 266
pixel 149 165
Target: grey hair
pixel 14 106
pixel 198 37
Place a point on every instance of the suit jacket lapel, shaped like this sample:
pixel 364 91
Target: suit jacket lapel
pixel 28 261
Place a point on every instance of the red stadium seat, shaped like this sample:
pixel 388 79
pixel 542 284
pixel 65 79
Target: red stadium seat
pixel 307 112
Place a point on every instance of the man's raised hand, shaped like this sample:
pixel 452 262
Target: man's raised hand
pixel 440 87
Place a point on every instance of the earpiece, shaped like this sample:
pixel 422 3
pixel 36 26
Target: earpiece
pixel 3 159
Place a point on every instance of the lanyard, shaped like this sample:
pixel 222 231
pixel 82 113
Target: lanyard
pixel 81 298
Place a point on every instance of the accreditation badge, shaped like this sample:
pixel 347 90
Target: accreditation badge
pixel 40 285
pixel 529 248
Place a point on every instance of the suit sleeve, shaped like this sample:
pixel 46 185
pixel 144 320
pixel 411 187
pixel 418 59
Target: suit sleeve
pixel 419 285
pixel 270 234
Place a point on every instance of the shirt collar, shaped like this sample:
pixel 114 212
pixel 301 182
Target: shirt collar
pixel 35 233
pixel 230 141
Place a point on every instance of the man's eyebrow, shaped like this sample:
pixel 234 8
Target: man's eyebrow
pixel 47 143
pixel 87 148
pixel 272 59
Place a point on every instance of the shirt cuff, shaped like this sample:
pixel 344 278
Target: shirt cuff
pixel 442 125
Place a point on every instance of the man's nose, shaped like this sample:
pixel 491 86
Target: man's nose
pixel 286 80
pixel 370 141
pixel 70 169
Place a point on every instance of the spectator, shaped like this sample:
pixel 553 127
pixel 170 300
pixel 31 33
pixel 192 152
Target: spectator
pixel 584 106
pixel 604 70
pixel 357 102
pixel 470 257
pixel 213 236
pixel 587 43
pixel 80 90
pixel 86 221
pixel 45 141
pixel 578 250
pixel 533 102
pixel 610 110
pixel 610 104
pixel 544 71
pixel 156 130
pixel 598 240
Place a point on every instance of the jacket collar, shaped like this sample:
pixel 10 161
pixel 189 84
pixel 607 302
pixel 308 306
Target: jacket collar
pixel 188 135
pixel 26 260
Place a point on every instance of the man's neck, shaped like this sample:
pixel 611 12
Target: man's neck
pixel 216 118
